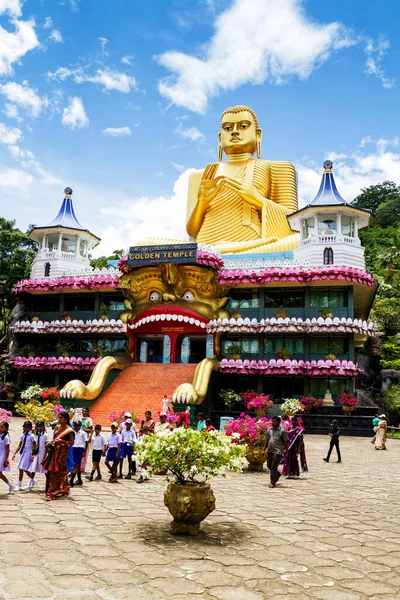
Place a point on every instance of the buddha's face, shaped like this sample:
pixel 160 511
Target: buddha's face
pixel 239 133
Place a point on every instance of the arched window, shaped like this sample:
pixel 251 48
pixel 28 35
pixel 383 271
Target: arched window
pixel 328 256
pixel 47 268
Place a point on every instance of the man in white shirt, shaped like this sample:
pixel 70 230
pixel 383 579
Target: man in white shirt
pixel 122 425
pixel 128 439
pixel 113 448
pixel 78 450
pixel 98 443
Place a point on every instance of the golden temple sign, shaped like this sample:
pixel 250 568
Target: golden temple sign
pixel 172 253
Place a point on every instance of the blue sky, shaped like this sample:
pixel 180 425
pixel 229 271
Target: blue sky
pixel 119 99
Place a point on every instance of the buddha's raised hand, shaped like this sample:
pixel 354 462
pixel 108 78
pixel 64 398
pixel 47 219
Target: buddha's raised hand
pixel 246 189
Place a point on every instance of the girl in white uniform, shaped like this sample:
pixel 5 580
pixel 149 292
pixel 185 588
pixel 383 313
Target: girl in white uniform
pixel 39 450
pixel 25 449
pixel 4 454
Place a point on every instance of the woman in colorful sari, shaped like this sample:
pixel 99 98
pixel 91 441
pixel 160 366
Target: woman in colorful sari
pixel 55 460
pixel 380 433
pixel 295 448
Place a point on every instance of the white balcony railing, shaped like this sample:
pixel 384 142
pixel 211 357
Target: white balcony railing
pixel 330 239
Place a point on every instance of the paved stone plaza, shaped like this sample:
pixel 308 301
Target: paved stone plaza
pixel 332 535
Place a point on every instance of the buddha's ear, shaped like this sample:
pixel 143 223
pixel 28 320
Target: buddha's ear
pixel 259 139
pixel 220 149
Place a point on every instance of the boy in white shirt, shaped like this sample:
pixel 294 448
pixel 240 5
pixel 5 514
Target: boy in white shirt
pixel 128 439
pixel 113 448
pixel 78 450
pixel 98 443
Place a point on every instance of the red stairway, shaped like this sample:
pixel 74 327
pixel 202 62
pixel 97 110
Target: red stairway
pixel 140 387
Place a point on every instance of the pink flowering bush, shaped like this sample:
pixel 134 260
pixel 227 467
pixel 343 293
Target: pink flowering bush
pixel 114 418
pixel 5 415
pixel 57 408
pixel 310 403
pixel 253 400
pixel 248 430
pixel 348 401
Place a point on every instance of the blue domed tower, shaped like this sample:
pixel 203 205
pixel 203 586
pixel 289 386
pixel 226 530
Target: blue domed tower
pixel 329 227
pixel 63 244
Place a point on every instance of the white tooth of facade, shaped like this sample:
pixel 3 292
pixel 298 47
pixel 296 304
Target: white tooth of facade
pixel 197 323
pixel 186 319
pixel 180 318
pixel 169 317
pixel 152 318
pixel 174 317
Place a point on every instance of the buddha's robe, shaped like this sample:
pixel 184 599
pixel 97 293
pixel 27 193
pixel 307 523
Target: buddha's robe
pixel 233 225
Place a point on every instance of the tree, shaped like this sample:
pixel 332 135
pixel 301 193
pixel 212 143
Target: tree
pixel 101 262
pixel 16 256
pixel 388 213
pixel 375 195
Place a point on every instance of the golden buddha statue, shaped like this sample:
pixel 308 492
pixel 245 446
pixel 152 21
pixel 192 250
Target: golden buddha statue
pixel 240 205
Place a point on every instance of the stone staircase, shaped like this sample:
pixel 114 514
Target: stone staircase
pixel 138 388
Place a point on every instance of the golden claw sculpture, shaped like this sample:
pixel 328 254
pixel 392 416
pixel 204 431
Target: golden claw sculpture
pixel 196 391
pixel 77 389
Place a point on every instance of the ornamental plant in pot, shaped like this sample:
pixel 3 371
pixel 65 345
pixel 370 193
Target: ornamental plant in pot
pixel 283 353
pixel 250 432
pixel 310 404
pixel 257 402
pixel 191 458
pixel 326 313
pixel 291 406
pixel 230 398
pixel 348 401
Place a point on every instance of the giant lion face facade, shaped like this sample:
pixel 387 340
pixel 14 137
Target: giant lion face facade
pixel 171 299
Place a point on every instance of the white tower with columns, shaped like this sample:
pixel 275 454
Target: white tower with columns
pixel 329 227
pixel 63 244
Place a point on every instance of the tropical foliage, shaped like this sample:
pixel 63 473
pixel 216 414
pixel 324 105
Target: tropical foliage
pixel 254 401
pixel 248 430
pixel 229 398
pixel 309 403
pixel 291 406
pixel 191 457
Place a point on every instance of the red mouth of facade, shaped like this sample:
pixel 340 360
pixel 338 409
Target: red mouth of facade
pixel 169 314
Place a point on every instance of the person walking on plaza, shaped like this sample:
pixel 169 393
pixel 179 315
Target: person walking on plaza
pixel 166 405
pixel 55 460
pixel 276 442
pixel 334 443
pixel 147 422
pixel 201 421
pixel 98 442
pixel 39 450
pixel 111 451
pixel 380 431
pixel 163 424
pixel 184 418
pixel 79 449
pixel 5 454
pixel 128 439
pixel 375 421
pixel 295 450
pixel 209 426
pixel 25 449
pixel 87 426
pixel 122 425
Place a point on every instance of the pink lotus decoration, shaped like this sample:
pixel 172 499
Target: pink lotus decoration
pixel 300 275
pixel 52 363
pixel 73 282
pixel 70 326
pixel 290 367
pixel 291 324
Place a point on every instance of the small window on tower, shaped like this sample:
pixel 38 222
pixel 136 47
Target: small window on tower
pixel 328 256
pixel 47 268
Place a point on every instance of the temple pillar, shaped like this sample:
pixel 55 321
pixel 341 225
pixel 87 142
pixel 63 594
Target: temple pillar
pixel 77 245
pixel 59 241
pixel 338 224
pixel 315 224
pixel 356 228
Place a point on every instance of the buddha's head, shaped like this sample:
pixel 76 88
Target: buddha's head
pixel 240 132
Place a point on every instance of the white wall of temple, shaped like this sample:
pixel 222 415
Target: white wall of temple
pixel 330 251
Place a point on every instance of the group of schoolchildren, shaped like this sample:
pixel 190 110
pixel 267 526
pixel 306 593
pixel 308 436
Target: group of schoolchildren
pixel 119 445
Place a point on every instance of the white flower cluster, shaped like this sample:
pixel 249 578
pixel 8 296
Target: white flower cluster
pixel 33 391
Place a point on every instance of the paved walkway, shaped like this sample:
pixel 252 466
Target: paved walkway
pixel 332 535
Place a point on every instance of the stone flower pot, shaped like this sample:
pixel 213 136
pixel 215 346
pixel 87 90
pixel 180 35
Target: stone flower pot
pixel 189 505
pixel 256 458
pixel 259 412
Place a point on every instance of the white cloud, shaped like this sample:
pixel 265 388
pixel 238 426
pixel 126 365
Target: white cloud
pixel 257 41
pixel 164 217
pixel 191 133
pixel 103 43
pixel 56 36
pixel 127 60
pixel 13 7
pixel 353 170
pixel 74 116
pixel 48 24
pixel 13 46
pixel 14 178
pixel 177 166
pixel 21 155
pixel 24 96
pixel 375 52
pixel 111 80
pixel 9 135
pixel 117 131
pixel 11 111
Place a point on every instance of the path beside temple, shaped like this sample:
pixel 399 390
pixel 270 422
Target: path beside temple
pixel 332 535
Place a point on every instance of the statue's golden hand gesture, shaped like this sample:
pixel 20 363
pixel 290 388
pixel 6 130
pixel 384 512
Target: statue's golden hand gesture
pixel 246 189
pixel 208 186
